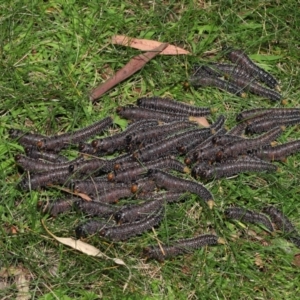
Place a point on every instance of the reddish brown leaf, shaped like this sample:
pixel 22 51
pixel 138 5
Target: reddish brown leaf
pixel 146 45
pixel 134 65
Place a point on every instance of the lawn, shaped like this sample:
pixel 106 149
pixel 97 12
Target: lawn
pixel 53 53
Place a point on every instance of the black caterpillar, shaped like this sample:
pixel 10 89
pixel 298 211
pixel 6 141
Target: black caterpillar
pixel 180 247
pixel 283 224
pixel 128 230
pixel 249 216
pixel 230 168
pixel 239 57
pixel 59 142
pixel 175 184
pixel 172 106
pixel 200 81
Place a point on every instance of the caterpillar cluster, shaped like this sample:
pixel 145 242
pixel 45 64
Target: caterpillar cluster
pixel 129 192
pixel 239 78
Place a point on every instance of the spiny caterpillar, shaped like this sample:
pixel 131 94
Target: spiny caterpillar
pixel 255 88
pixel 199 81
pixel 59 142
pixel 172 106
pixel 239 57
pixel 283 224
pixel 175 184
pixel 230 168
pixel 93 208
pixel 139 113
pixel 249 216
pixel 128 230
pixel 160 253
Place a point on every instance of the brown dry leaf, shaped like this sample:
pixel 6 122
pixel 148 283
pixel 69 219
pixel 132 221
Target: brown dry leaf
pixel 81 195
pixel 134 65
pixel 14 229
pixel 76 244
pixel 84 196
pixel 146 45
pixel 258 261
pixel 200 120
pixel 21 280
pixel 296 260
pixel 254 235
pixel 22 284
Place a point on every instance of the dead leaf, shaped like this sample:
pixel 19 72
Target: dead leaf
pixel 76 244
pixel 14 229
pixel 81 195
pixel 134 65
pixel 146 45
pixel 258 261
pixel 22 284
pixel 89 250
pixel 200 120
pixel 296 260
pixel 21 280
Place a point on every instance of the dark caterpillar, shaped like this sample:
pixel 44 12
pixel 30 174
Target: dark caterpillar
pixel 175 184
pixel 230 168
pixel 86 148
pixel 25 139
pixel 223 140
pixel 137 139
pixel 170 145
pixel 90 167
pixel 209 154
pixel 279 152
pixel 41 180
pixel 59 142
pixel 119 160
pixel 192 154
pixel 166 197
pixel 266 125
pixel 238 129
pixel 172 106
pixel 88 228
pixel 128 230
pixel 54 208
pixel 199 81
pixel 283 224
pixel 122 166
pixel 225 70
pixel 218 124
pixel 113 195
pixel 138 113
pixel 246 145
pixel 34 165
pixel 33 152
pixel 92 208
pixel 93 186
pixel 117 142
pixel 135 172
pixel 193 144
pixel 248 216
pixel 255 88
pixel 279 219
pixel 143 186
pixel 271 112
pixel 239 57
pixel 181 247
pixel 132 213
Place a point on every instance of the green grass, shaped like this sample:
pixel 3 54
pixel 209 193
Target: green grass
pixel 53 53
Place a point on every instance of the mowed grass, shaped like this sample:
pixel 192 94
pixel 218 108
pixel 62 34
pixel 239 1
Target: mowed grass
pixel 53 53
